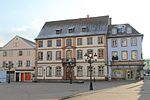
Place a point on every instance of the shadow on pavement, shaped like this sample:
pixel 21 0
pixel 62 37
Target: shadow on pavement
pixel 145 89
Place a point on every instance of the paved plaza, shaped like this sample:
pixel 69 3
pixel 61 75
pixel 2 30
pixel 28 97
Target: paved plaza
pixel 103 90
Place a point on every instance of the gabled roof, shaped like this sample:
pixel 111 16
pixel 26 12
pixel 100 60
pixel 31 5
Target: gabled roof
pixel 123 32
pixel 28 42
pixel 95 25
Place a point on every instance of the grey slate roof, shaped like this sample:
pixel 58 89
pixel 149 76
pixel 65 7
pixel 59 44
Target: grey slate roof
pixel 122 32
pixel 28 42
pixel 96 25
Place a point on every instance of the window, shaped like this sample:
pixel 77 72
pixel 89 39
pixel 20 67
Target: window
pixel 89 40
pixel 114 42
pixel 88 71
pixel 84 29
pixel 19 63
pixel 124 55
pixel 129 30
pixel 114 55
pixel 49 55
pixel 40 44
pixel 49 71
pixel 114 31
pixel 79 71
pixel 90 51
pixel 28 63
pixel 58 31
pixel 79 54
pixel 69 42
pixel 100 40
pixel 79 41
pixel 134 54
pixel 133 41
pixel 49 43
pixel 58 55
pixel 58 71
pixel 4 53
pixel 100 71
pixel 68 54
pixel 100 53
pixel 40 55
pixel 4 64
pixel 58 43
pixel 20 53
pixel 123 42
pixel 40 71
pixel 71 30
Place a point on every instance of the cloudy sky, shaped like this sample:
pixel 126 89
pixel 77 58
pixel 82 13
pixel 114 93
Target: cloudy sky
pixel 26 17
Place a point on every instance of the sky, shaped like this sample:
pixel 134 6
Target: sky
pixel 26 17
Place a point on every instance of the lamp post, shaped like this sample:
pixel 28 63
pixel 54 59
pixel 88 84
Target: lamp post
pixel 90 60
pixel 70 65
pixel 9 66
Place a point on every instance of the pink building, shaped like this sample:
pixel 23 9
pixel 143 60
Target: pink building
pixel 21 53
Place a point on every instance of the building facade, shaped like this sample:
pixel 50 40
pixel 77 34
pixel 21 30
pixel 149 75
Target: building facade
pixel 60 41
pixel 20 53
pixel 125 59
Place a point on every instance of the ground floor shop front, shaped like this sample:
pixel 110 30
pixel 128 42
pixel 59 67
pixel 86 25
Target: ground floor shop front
pixel 128 70
pixel 24 75
pixel 125 72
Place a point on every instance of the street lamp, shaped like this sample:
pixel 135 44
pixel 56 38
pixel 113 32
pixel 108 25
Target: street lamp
pixel 90 60
pixel 9 66
pixel 70 64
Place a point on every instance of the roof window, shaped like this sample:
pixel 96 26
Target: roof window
pixel 84 28
pixel 58 31
pixel 71 30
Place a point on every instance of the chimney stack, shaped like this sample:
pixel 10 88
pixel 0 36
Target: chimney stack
pixel 87 16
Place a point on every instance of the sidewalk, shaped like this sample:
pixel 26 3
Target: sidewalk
pixel 125 92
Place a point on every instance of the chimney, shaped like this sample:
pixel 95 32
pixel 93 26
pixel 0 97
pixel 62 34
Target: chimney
pixel 88 16
pixel 109 21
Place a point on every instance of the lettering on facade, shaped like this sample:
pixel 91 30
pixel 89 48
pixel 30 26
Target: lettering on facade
pixel 128 63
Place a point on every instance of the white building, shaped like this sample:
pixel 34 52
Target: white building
pixel 59 41
pixel 125 52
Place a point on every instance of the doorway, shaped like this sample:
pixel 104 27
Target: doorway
pixel 17 77
pixel 129 74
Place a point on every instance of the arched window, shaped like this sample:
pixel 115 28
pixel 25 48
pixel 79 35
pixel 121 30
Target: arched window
pixel 79 71
pixel 100 71
pixel 49 71
pixel 68 54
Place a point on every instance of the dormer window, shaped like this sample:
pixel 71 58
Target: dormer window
pixel 71 30
pixel 114 31
pixel 84 28
pixel 129 30
pixel 58 31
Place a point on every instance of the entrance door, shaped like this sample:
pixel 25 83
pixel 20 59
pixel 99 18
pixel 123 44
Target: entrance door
pixel 28 76
pixel 129 74
pixel 17 77
pixel 22 76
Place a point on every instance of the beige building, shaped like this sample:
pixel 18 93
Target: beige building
pixel 61 41
pixel 21 53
